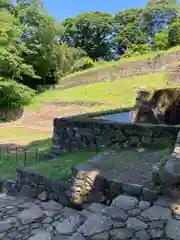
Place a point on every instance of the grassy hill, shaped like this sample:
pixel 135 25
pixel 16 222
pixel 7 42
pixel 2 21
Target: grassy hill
pixel 107 86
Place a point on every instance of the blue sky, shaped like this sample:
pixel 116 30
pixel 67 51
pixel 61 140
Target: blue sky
pixel 70 8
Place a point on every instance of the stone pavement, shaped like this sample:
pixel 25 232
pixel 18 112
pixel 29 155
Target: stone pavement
pixel 126 219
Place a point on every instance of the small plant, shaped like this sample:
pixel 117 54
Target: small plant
pixel 14 95
pixel 82 64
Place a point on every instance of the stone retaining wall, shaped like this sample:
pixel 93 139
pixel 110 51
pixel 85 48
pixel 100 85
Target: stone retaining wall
pixel 71 134
pixel 90 185
pixel 87 185
pixel 124 70
pixel 34 185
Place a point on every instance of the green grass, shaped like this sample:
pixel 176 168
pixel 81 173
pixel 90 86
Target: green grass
pixel 119 93
pixel 33 159
pixel 104 64
pixel 14 133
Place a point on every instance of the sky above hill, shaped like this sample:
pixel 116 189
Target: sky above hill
pixel 70 8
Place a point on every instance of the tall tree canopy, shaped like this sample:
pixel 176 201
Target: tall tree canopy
pixel 90 31
pixel 36 49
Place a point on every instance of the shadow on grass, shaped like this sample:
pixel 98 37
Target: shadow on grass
pixel 33 158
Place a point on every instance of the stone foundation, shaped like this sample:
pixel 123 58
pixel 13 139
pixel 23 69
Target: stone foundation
pixel 71 134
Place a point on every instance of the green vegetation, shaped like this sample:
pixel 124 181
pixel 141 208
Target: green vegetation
pixel 106 64
pixel 119 93
pixel 32 158
pixel 37 51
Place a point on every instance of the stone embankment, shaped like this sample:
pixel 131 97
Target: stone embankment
pixel 126 219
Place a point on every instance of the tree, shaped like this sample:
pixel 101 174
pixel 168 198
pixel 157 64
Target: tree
pixel 90 31
pixel 174 33
pixel 41 34
pixel 11 62
pixel 129 30
pixel 161 40
pixel 128 16
pixel 158 14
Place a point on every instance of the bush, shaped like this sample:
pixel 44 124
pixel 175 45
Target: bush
pixel 14 95
pixel 161 41
pixel 135 50
pixel 83 63
pixel 174 33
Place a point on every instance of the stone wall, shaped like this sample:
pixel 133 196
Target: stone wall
pixel 89 184
pixel 33 185
pixel 71 134
pixel 124 70
pixel 170 172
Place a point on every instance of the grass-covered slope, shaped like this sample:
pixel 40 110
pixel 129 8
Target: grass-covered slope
pixel 116 94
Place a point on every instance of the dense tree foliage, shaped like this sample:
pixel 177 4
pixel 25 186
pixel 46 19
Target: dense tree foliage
pixel 36 49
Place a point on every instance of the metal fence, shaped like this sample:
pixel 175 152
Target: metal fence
pixel 19 155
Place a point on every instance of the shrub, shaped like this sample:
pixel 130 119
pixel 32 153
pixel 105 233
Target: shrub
pixel 83 63
pixel 135 50
pixel 161 41
pixel 14 95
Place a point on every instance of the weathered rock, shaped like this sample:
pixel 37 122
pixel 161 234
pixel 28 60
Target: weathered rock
pixel 136 225
pixel 52 206
pixel 172 229
pixel 95 224
pixel 114 188
pixel 150 194
pixel 68 212
pixel 115 214
pixel 170 173
pixel 157 224
pixel 69 225
pixel 101 236
pixel 156 213
pixel 96 207
pixel 132 189
pixel 142 235
pixel 28 191
pixel 134 212
pixel 143 205
pixel 156 233
pixel 30 215
pixel 121 234
pixel 76 236
pixel 43 196
pixel 5 226
pixel 42 235
pixel 125 202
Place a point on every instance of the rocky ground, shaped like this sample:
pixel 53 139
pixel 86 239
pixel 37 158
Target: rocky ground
pixel 126 219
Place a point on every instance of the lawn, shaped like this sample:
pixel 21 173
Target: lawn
pixel 116 94
pixel 33 156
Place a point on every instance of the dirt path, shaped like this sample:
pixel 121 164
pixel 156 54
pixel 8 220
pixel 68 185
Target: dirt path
pixel 42 119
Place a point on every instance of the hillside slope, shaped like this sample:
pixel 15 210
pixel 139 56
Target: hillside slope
pixel 127 67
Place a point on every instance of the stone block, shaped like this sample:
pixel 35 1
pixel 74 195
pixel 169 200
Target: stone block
pixel 114 188
pixel 150 194
pixel 132 189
